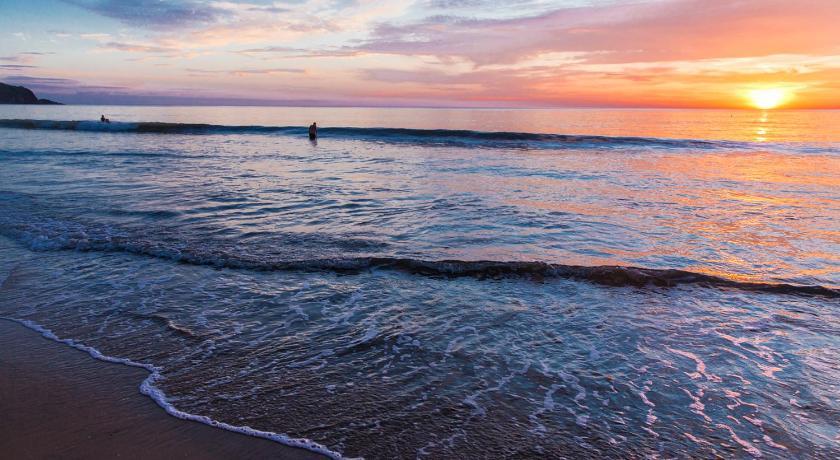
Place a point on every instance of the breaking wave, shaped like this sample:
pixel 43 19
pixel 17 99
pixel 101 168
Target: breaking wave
pixel 222 257
pixel 443 137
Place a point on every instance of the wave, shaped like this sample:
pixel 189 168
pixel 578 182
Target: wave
pixel 443 137
pixel 149 388
pixel 205 255
pixel 608 275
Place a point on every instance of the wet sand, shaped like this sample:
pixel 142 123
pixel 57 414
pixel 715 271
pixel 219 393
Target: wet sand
pixel 59 402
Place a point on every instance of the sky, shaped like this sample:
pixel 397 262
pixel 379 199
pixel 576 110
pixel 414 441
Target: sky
pixel 418 53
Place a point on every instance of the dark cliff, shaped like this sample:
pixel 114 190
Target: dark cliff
pixel 19 95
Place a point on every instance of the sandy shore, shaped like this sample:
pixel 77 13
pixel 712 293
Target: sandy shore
pixel 58 402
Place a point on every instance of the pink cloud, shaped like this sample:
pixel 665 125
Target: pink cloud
pixel 662 30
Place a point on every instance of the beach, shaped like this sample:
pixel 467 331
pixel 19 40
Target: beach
pixel 59 402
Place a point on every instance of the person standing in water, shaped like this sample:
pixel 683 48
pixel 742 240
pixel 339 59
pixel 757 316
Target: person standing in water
pixel 313 130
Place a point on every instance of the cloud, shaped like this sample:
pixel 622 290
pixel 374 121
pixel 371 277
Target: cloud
pixel 24 58
pixel 290 52
pixel 258 30
pixel 704 83
pixel 57 85
pixel 661 30
pixel 154 14
pixel 59 33
pixel 269 9
pixel 99 37
pixel 494 8
pixel 246 72
pixel 136 48
pixel 16 66
pixel 16 58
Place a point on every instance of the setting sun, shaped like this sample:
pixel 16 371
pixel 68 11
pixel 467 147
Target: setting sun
pixel 768 98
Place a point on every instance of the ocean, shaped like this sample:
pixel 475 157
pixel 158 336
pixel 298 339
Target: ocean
pixel 444 283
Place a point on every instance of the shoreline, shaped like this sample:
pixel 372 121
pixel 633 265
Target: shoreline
pixel 60 401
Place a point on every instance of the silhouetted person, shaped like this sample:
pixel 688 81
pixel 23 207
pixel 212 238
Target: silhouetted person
pixel 313 130
pixel 102 119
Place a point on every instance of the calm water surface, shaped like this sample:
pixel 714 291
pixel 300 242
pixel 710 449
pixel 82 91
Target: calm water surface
pixel 458 288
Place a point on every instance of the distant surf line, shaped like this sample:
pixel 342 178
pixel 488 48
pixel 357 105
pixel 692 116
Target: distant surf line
pixel 443 137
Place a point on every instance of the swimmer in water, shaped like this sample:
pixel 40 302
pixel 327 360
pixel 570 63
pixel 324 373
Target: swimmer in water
pixel 313 130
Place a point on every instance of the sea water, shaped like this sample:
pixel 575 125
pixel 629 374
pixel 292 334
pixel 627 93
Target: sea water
pixel 445 283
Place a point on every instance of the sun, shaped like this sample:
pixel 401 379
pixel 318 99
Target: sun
pixel 767 98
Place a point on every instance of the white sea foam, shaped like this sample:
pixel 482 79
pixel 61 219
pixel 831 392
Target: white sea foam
pixel 149 389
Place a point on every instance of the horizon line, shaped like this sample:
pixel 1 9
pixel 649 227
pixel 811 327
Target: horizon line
pixel 445 107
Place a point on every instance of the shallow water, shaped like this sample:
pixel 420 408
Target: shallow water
pixel 326 290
